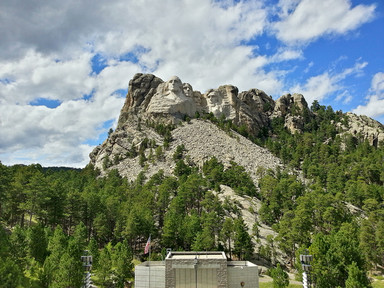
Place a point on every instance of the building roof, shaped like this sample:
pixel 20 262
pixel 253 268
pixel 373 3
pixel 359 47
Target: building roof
pixel 196 255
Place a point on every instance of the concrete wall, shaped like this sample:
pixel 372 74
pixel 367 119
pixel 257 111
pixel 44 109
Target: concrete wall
pixel 241 271
pixel 180 273
pixel 152 276
pixel 186 278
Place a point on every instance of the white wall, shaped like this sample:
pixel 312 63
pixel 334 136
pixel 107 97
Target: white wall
pixel 247 274
pixel 156 279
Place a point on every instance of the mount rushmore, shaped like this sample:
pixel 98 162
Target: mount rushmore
pixel 151 100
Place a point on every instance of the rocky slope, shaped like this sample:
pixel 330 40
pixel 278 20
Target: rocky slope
pixel 201 139
pixel 151 101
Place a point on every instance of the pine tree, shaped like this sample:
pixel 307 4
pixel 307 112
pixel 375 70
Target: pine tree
pixel 242 241
pixel 227 234
pixel 37 243
pixel 122 263
pixel 279 276
pixel 70 269
pixel 93 251
pixel 104 267
pixel 356 278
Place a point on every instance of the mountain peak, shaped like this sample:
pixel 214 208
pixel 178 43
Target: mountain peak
pixel 153 108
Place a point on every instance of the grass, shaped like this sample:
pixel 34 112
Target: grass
pixel 378 284
pixel 270 285
pixel 375 284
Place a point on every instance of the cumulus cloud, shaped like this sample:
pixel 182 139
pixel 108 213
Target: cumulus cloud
pixel 39 76
pixel 321 86
pixel 374 106
pixel 48 48
pixel 306 20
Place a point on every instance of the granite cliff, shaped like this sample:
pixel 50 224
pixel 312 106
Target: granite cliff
pixel 151 102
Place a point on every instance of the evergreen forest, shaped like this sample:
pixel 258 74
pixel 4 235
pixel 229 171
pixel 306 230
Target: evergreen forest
pixel 328 199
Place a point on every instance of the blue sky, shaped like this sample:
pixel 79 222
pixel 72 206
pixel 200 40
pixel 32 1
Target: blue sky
pixel 65 65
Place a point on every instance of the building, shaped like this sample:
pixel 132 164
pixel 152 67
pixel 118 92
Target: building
pixel 196 270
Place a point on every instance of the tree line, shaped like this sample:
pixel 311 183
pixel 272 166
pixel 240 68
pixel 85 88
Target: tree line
pixel 328 200
pixel 50 216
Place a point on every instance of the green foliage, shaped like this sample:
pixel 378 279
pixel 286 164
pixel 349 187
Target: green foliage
pixel 356 277
pixel 235 176
pixel 227 234
pixel 204 241
pixel 50 213
pixel 182 169
pixel 333 254
pixel 142 158
pixel 163 130
pixel 37 243
pixel 159 153
pixel 179 153
pixel 10 273
pixel 279 276
pixel 104 268
pixel 69 271
pixel 122 263
pixel 243 246
pixel 278 193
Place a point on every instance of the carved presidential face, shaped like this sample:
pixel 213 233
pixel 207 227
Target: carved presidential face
pixel 187 88
pixel 213 98
pixel 174 84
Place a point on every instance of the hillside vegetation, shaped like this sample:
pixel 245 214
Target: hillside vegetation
pixel 327 197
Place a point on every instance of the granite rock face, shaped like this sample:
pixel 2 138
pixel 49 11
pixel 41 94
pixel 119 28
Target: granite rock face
pixel 364 128
pixel 151 100
pixel 293 108
pixel 151 97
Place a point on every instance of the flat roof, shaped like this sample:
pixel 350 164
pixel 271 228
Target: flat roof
pixel 240 263
pixel 196 255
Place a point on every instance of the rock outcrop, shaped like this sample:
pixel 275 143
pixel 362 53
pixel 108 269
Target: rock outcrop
pixel 364 128
pixel 293 108
pixel 151 100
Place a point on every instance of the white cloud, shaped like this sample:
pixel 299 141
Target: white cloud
pixel 377 84
pixel 39 76
pixel 374 106
pixel 53 132
pixel 321 86
pixel 46 52
pixel 47 47
pixel 306 20
pixel 285 54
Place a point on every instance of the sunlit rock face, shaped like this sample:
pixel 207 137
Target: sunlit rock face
pixel 171 98
pixel 223 102
pixel 151 101
pixel 361 126
pixel 150 97
pixel 294 109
